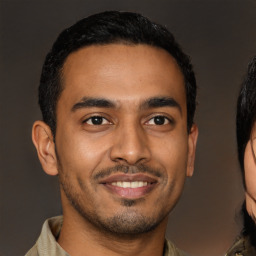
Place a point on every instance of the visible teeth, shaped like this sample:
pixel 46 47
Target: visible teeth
pixel 135 184
pixel 128 184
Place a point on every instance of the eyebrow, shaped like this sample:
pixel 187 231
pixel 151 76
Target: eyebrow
pixel 155 102
pixel 159 102
pixel 93 102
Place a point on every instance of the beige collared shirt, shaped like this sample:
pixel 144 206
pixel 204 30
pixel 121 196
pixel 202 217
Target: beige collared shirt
pixel 47 245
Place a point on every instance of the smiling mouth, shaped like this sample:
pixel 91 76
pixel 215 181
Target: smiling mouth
pixel 132 184
pixel 129 186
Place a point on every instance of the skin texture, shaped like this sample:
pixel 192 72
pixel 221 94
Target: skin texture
pixel 137 137
pixel 250 176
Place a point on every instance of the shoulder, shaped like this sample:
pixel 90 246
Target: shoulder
pixel 242 247
pixel 32 252
pixel 46 244
pixel 171 250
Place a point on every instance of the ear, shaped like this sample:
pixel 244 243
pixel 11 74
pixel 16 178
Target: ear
pixel 43 140
pixel 192 140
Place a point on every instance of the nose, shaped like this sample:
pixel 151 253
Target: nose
pixel 130 145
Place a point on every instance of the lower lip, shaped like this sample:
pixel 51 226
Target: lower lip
pixel 130 193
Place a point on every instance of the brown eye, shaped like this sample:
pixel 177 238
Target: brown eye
pixel 96 120
pixel 159 120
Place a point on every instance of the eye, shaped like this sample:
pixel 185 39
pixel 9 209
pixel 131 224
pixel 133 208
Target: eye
pixel 159 120
pixel 96 120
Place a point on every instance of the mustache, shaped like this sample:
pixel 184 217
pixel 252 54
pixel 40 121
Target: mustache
pixel 127 169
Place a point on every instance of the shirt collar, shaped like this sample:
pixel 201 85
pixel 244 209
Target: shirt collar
pixel 47 243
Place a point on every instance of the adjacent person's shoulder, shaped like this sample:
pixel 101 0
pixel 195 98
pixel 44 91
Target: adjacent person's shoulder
pixel 242 247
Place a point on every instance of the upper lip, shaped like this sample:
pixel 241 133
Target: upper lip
pixel 128 178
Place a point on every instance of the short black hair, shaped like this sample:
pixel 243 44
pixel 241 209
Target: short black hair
pixel 246 111
pixel 107 28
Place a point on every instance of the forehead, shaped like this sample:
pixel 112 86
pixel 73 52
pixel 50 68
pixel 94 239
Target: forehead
pixel 122 72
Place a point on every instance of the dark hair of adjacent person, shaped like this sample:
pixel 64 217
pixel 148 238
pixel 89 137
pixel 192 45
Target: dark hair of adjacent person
pixel 102 29
pixel 245 119
pixel 246 111
pixel 249 228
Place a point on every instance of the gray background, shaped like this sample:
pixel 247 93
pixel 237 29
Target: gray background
pixel 220 36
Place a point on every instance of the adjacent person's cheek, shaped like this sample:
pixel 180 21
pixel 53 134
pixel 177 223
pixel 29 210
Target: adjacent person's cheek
pixel 251 206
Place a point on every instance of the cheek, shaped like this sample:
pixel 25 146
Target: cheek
pixel 250 172
pixel 171 153
pixel 78 152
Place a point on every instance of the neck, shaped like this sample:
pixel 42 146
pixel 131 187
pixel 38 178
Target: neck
pixel 80 237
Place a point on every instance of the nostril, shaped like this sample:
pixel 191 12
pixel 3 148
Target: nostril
pixel 130 145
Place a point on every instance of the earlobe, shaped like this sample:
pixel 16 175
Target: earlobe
pixel 192 140
pixel 43 140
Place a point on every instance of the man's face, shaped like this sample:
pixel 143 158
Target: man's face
pixel 121 141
